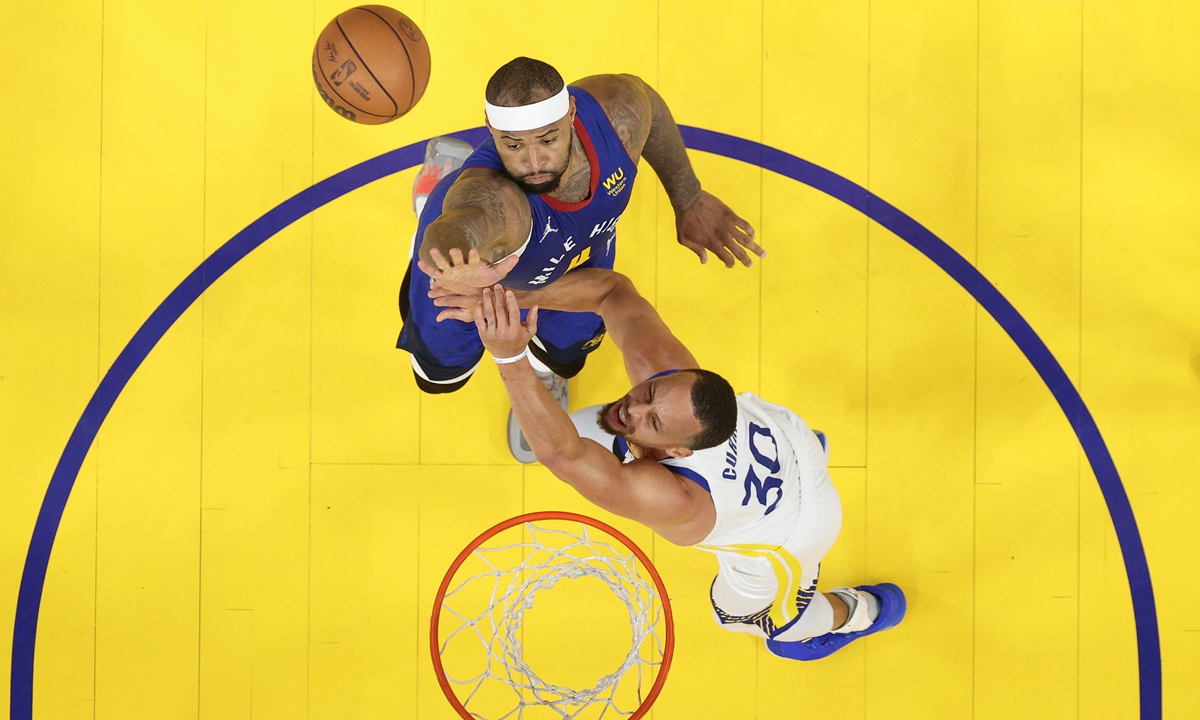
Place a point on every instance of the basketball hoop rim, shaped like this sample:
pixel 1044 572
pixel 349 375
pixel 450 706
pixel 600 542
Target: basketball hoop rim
pixel 665 600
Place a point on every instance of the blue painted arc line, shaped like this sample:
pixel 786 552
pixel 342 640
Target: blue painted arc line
pixel 214 266
pixel 1137 568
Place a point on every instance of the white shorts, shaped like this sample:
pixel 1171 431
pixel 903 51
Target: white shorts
pixel 747 595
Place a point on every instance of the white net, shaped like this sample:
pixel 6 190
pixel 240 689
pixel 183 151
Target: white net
pixel 489 602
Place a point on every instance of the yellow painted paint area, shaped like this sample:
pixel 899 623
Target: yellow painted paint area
pixel 262 523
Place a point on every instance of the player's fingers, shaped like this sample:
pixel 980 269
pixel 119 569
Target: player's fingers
pixel 429 270
pixel 696 248
pixel 752 246
pixel 744 226
pixel 456 257
pixel 724 256
pixel 500 321
pixel 531 320
pixel 439 259
pixel 489 312
pixel 505 266
pixel 745 236
pixel 477 316
pixel 456 314
pixel 733 247
pixel 473 256
pixel 514 310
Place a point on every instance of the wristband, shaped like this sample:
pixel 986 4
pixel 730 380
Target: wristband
pixel 513 359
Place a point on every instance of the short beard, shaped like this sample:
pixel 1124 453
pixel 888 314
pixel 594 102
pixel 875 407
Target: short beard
pixel 540 188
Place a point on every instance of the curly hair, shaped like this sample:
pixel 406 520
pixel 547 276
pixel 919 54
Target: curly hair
pixel 523 81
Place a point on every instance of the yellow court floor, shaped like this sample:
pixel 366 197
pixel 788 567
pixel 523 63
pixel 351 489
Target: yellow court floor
pixel 263 519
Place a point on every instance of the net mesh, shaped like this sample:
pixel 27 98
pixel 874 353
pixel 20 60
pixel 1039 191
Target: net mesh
pixel 487 609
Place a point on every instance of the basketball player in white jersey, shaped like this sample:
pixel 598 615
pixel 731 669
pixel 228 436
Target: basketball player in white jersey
pixel 734 475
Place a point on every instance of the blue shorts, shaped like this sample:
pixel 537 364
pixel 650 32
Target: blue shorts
pixel 445 354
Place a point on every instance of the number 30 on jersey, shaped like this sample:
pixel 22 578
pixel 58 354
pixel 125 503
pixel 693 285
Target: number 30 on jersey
pixel 761 478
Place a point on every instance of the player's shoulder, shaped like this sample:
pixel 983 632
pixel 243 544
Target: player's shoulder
pixel 626 102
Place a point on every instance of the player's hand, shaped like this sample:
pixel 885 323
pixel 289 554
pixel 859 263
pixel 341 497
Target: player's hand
pixel 498 320
pixel 461 306
pixel 462 275
pixel 710 226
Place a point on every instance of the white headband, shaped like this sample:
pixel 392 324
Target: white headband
pixel 529 117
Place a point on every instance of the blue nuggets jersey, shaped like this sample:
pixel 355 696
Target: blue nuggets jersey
pixel 565 236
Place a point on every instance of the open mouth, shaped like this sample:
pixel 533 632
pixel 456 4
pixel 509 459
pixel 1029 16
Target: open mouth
pixel 538 179
pixel 616 417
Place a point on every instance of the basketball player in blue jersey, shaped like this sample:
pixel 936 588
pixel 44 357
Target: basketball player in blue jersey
pixel 734 475
pixel 541 197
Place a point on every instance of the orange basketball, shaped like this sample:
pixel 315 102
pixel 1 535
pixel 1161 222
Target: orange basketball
pixel 371 64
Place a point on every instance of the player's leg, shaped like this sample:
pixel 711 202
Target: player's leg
pixel 832 619
pixel 443 355
pixel 743 595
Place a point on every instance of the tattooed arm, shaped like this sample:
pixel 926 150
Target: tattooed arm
pixel 646 128
pixel 485 217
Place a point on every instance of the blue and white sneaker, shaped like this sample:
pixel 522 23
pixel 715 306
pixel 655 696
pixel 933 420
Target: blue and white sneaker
pixel 892 607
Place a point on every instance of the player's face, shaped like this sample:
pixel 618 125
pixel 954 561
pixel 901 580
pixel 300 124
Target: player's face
pixel 536 159
pixel 655 414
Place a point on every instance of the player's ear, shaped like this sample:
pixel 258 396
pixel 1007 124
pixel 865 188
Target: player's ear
pixel 678 452
pixel 571 112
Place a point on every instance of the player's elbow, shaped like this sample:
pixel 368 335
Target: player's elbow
pixel 589 480
pixel 617 289
pixel 564 462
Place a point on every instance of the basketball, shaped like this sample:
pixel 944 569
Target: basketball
pixel 371 64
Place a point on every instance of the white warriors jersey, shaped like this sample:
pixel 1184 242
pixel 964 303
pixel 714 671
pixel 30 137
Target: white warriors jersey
pixel 758 480
pixel 765 484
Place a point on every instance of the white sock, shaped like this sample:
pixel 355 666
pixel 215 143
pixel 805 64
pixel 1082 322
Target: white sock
pixel 863 609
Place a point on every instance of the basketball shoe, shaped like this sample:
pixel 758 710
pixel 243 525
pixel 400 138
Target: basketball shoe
pixel 443 155
pixel 892 607
pixel 517 445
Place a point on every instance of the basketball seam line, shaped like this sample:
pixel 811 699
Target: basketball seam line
pixel 368 69
pixel 329 82
pixel 412 70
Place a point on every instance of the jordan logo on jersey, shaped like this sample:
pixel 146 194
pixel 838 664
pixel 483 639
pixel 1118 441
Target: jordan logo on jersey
pixel 549 229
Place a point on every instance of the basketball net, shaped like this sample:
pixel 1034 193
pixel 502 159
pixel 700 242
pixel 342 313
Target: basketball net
pixel 485 606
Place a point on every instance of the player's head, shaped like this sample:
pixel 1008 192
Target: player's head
pixel 678 413
pixel 530 115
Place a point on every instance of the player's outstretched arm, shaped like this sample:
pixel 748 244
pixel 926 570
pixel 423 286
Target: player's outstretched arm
pixel 646 127
pixel 643 490
pixel 647 344
pixel 485 217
